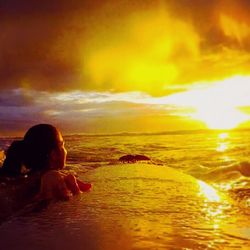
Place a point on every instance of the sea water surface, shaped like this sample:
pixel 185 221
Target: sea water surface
pixel 194 153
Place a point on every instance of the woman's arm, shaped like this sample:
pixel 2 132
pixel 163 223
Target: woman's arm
pixel 84 186
pixel 74 182
pixel 53 186
pixel 60 185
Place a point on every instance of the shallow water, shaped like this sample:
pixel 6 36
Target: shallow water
pixel 148 223
pixel 134 207
pixel 193 153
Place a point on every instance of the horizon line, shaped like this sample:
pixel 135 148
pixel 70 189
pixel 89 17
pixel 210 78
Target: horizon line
pixel 136 133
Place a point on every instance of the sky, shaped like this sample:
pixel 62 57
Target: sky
pixel 100 66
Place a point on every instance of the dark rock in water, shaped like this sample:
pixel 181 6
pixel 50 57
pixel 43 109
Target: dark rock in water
pixel 133 158
pixel 127 158
pixel 141 158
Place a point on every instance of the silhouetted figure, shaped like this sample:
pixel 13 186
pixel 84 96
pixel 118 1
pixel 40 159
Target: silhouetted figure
pixel 13 161
pixel 42 154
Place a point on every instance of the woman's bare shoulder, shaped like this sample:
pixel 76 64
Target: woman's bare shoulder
pixel 52 174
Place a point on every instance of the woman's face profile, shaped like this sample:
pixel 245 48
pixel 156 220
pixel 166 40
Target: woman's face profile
pixel 58 155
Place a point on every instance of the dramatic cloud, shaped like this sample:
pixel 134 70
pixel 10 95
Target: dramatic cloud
pixel 91 112
pixel 81 111
pixel 112 65
pixel 121 45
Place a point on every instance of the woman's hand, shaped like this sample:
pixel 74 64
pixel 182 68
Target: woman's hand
pixel 57 184
pixel 72 182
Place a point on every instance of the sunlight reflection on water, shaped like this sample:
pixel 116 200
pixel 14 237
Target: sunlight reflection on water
pixel 154 209
pixel 208 192
pixel 135 207
pixel 223 145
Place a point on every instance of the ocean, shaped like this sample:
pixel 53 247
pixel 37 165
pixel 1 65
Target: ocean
pixel 193 152
pixel 197 153
pixel 205 155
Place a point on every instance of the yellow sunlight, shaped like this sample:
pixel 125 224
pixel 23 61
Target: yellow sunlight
pixel 144 54
pixel 219 117
pixel 208 192
pixel 217 105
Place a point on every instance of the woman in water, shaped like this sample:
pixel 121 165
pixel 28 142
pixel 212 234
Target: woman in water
pixel 40 158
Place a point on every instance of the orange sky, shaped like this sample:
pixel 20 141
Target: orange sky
pixel 95 58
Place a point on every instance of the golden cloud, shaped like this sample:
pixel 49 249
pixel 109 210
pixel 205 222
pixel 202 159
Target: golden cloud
pixel 148 46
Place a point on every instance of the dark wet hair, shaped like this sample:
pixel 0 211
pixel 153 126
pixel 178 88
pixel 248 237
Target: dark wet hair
pixel 33 151
pixel 13 161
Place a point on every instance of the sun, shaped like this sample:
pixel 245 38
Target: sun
pixel 219 117
pixel 217 104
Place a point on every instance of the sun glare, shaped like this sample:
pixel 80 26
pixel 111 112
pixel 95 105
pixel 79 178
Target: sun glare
pixel 223 136
pixel 219 117
pixel 208 192
pixel 222 147
pixel 217 104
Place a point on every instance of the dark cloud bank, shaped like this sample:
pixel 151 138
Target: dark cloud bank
pixel 93 45
pixel 46 45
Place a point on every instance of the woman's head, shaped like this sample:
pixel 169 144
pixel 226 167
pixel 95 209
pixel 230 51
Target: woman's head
pixel 41 148
pixel 13 161
pixel 44 148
